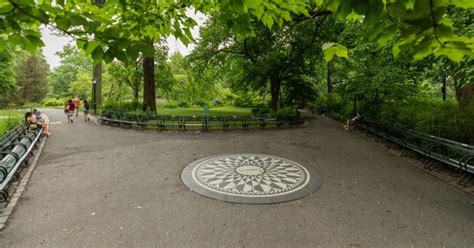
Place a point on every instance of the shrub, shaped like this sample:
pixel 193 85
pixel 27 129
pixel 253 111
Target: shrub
pixel 170 104
pixel 286 112
pixel 433 116
pixel 121 106
pixel 53 102
pixel 184 104
pixel 260 111
pixel 224 96
pixel 9 123
pixel 248 99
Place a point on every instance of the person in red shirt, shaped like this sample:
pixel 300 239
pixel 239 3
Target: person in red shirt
pixel 69 109
pixel 76 102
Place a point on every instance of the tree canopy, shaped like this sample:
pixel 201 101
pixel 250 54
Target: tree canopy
pixel 117 28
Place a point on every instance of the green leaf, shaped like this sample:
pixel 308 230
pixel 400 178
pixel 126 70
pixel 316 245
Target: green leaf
pixel 410 4
pixel 267 20
pixel 333 49
pixel 35 40
pixel 81 43
pixel 319 3
pixel 15 39
pixel 145 48
pixel 328 55
pixel 63 23
pixel 237 6
pixel 109 55
pixel 286 15
pixel 121 55
pixel 259 12
pixel 423 49
pixel 90 46
pixel 97 54
pixel 3 44
pixel 5 7
pixel 465 4
pixel 342 52
pixel 453 54
pixel 28 46
pixel 253 4
pixel 387 35
pixel 328 45
pixel 132 52
pixel 396 50
pixel 77 20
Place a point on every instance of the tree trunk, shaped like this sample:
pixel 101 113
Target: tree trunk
pixel 443 88
pixel 149 101
pixel 275 85
pixel 97 80
pixel 135 94
pixel 329 79
pixel 465 95
pixel 97 71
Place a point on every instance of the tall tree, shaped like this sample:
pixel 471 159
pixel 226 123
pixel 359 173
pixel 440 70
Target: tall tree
pixel 97 70
pixel 72 62
pixel 32 78
pixel 163 71
pixel 273 59
pixel 7 75
pixel 149 101
pixel 129 74
pixel 81 87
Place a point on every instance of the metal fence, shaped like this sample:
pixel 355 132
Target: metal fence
pixel 203 123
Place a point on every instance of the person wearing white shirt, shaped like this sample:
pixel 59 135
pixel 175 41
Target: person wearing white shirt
pixel 42 119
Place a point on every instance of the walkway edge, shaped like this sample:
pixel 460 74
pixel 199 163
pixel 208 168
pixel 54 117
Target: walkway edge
pixel 413 162
pixel 20 187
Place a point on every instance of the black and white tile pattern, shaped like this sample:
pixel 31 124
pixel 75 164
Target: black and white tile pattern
pixel 249 178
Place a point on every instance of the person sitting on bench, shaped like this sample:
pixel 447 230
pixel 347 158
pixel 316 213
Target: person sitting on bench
pixel 43 120
pixel 351 122
pixel 32 124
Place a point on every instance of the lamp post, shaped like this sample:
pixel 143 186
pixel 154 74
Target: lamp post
pixel 94 97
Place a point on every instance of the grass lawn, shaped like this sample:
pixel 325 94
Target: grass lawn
pixel 11 113
pixel 220 111
pixel 9 119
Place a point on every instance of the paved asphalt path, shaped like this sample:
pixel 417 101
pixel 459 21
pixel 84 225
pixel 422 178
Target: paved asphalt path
pixel 99 186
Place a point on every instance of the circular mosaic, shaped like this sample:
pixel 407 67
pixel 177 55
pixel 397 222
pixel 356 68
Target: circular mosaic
pixel 250 178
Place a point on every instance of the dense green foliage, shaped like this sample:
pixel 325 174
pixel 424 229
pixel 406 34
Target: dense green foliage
pixel 400 92
pixel 73 62
pixel 121 28
pixel 31 78
pixel 13 118
pixel 7 75
pixel 423 114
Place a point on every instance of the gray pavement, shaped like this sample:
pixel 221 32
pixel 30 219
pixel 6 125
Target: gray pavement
pixel 99 186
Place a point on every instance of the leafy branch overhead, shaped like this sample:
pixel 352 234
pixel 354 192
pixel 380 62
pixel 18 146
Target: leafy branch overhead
pixel 333 49
pixel 117 29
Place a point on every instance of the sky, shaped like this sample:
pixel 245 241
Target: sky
pixel 54 43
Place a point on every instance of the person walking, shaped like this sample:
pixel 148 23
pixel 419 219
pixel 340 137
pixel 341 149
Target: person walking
pixel 69 109
pixel 86 111
pixel 324 109
pixel 77 103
